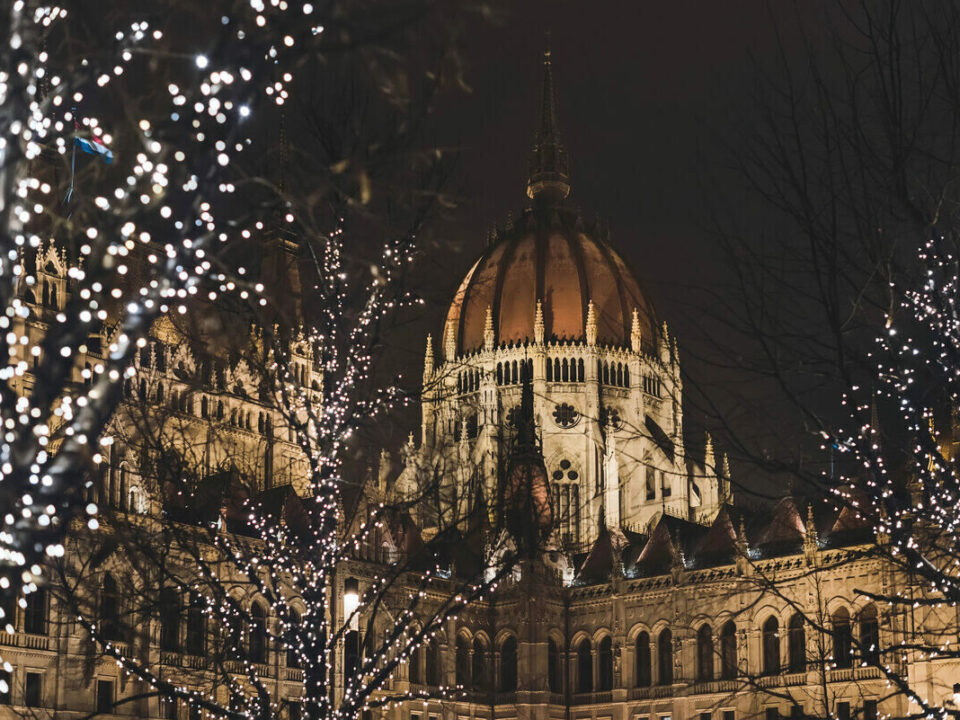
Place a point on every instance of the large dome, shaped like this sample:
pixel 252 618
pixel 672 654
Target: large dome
pixel 552 256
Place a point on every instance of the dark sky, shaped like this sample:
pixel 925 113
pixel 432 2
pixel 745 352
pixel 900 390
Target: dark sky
pixel 649 96
pixel 653 97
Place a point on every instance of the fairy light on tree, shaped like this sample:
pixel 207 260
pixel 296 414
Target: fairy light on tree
pixel 122 168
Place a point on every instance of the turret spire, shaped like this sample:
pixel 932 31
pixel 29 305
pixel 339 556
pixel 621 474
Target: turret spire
pixel 548 178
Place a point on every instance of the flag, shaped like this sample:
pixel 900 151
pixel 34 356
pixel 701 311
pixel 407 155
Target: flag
pixel 94 147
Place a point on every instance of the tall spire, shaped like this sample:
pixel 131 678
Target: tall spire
pixel 549 178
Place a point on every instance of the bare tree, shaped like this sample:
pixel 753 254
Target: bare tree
pixel 846 319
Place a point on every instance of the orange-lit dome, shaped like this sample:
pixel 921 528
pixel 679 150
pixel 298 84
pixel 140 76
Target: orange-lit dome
pixel 549 255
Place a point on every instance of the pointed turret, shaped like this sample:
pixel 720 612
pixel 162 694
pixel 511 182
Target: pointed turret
pixel 428 360
pixel 548 179
pixel 591 329
pixel 488 330
pixel 709 460
pixel 636 335
pixel 538 329
pixel 449 342
pixel 725 495
pixel 664 344
pixel 280 277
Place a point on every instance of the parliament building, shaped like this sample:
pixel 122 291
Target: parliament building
pixel 652 595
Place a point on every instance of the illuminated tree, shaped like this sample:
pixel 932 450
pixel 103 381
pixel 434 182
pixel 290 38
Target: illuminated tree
pixel 132 153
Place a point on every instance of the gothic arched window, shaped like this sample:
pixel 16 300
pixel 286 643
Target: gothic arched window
pixel 605 664
pixel 643 674
pixel 169 619
pixel 258 634
pixel 869 636
pixel 478 670
pixel 508 665
pixel 705 652
pixel 665 657
pixel 433 662
pixel 553 667
pixel 463 662
pixel 771 646
pixel 797 644
pixel 110 609
pixel 842 639
pixel 728 651
pixel 293 639
pixel 584 667
pixel 196 626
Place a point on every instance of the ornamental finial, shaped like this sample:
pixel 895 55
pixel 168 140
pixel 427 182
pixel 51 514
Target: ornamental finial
pixel 548 178
pixel 538 330
pixel 636 336
pixel 591 324
pixel 488 330
pixel 428 359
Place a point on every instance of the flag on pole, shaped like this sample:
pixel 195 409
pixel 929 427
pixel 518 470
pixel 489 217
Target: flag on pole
pixel 92 146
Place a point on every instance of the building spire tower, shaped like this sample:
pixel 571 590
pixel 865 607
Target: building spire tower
pixel 548 179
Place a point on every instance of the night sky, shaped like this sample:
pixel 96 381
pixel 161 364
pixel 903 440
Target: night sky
pixel 653 97
pixel 649 97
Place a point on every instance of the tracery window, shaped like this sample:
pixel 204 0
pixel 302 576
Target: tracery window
pixel 705 653
pixel 665 657
pixel 771 646
pixel 869 636
pixel 605 665
pixel 584 667
pixel 508 665
pixel 565 415
pixel 728 651
pixel 643 666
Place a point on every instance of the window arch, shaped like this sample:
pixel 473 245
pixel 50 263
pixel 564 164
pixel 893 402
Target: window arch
pixel 728 651
pixel 293 638
pixel 580 370
pixel 433 662
pixel 463 662
pixel 584 667
pixel 196 626
pixel 605 664
pixel 643 667
pixel 797 644
pixel 110 609
pixel 554 677
pixel 508 665
pixel 413 666
pixel 169 619
pixel 705 652
pixel 771 646
pixel 258 634
pixel 842 639
pixel 869 636
pixel 478 670
pixel 665 657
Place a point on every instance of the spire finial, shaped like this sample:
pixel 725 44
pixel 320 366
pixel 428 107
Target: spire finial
pixel 488 330
pixel 538 329
pixel 428 359
pixel 591 329
pixel 636 335
pixel 548 178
